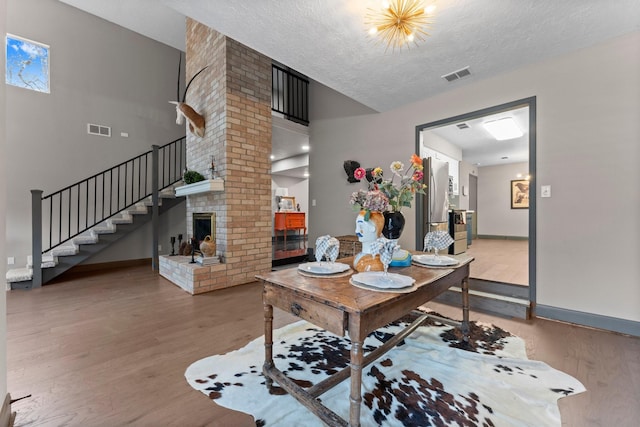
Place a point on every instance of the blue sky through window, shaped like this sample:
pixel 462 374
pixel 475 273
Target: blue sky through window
pixel 27 64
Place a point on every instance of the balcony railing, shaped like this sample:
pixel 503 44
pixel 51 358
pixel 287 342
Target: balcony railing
pixel 290 94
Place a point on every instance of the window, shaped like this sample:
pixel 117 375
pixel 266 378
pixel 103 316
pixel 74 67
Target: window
pixel 27 64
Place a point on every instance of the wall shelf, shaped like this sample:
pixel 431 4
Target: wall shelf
pixel 206 186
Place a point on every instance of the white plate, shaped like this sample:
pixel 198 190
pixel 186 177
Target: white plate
pixel 323 267
pixel 378 279
pixel 435 261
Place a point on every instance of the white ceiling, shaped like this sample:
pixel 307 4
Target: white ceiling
pixel 327 39
pixel 481 149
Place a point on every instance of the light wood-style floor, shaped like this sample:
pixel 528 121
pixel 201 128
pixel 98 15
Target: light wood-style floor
pixel 111 349
pixel 500 260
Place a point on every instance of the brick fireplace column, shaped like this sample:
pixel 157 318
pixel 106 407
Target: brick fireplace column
pixel 234 96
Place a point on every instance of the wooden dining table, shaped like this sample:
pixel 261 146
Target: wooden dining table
pixel 335 304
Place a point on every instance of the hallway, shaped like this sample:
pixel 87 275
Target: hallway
pixel 500 260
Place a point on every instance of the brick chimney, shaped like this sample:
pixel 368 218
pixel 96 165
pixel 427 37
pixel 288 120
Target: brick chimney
pixel 234 96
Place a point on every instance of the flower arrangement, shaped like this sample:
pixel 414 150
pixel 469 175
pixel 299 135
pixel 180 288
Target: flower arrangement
pixel 390 194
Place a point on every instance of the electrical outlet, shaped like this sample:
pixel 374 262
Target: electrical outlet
pixel 11 260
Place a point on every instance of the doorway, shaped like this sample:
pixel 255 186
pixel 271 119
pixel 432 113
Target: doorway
pixel 471 196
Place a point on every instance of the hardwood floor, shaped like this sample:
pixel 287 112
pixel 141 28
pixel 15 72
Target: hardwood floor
pixel 111 349
pixel 500 260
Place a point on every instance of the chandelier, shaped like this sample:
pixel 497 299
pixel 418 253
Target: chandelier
pixel 399 22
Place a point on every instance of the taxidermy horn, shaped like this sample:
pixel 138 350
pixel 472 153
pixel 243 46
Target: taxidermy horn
pixel 183 110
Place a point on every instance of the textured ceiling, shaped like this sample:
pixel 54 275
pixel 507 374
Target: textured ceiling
pixel 327 39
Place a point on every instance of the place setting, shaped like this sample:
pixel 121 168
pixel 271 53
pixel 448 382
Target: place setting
pixel 327 248
pixel 436 241
pixel 383 281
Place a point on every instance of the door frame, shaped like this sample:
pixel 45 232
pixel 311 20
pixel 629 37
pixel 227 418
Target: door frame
pixel 525 102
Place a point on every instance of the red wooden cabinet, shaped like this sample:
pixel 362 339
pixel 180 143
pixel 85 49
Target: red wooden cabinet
pixel 285 221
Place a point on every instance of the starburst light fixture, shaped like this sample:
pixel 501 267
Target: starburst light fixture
pixel 400 22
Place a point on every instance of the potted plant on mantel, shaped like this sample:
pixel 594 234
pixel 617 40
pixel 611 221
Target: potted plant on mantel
pixel 191 177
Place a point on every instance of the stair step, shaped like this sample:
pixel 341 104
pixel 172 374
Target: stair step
pixel 104 229
pixel 19 275
pixel 48 261
pixel 488 302
pixel 138 209
pixel 66 250
pixel 149 203
pixel 124 219
pixel 89 238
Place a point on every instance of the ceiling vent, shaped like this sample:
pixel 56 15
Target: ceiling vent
pixel 463 72
pixel 462 126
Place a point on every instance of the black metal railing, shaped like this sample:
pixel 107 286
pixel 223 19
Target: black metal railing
pixel 76 208
pixel 290 94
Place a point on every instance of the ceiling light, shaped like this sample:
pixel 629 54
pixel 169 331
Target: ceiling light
pixel 306 174
pixel 272 157
pixel 399 22
pixel 502 129
pixel 305 147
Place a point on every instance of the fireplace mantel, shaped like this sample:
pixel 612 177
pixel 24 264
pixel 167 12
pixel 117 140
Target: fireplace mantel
pixel 206 186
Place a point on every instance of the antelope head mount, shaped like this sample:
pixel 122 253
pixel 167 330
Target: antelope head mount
pixel 184 110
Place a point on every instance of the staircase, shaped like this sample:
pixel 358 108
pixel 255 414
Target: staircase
pixel 85 218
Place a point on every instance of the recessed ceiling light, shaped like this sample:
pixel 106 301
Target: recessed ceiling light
pixel 306 175
pixel 272 157
pixel 503 129
pixel 305 147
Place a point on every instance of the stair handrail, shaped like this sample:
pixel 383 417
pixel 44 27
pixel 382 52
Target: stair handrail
pixel 134 181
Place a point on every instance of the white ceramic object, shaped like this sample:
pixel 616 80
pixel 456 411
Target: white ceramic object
pixel 378 279
pixel 323 267
pixel 435 261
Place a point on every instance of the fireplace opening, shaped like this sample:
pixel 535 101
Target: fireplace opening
pixel 204 224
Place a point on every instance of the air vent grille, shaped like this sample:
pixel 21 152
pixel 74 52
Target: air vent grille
pixel 98 130
pixel 462 126
pixel 458 74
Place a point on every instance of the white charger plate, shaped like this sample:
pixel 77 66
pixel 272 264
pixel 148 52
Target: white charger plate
pixel 377 279
pixel 323 267
pixel 435 261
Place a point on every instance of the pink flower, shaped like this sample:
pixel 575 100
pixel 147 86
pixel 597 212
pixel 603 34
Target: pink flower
pixel 359 173
pixel 417 175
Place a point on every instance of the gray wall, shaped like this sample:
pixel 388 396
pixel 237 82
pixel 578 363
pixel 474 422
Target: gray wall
pixel 587 142
pixel 100 73
pixel 495 216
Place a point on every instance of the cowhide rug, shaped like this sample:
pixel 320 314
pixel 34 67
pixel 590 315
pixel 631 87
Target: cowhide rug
pixel 429 379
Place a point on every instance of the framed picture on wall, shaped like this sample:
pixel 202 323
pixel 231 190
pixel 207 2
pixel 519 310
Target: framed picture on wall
pixel 287 204
pixel 519 194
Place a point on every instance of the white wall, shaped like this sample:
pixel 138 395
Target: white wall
pixel 100 73
pixel 587 149
pixel 495 216
pixel 3 207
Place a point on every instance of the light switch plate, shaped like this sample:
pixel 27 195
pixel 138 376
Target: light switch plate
pixel 545 191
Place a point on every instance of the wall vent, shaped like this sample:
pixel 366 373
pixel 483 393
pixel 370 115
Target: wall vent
pixel 463 72
pixel 462 126
pixel 98 130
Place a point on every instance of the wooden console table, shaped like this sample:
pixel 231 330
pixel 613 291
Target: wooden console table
pixel 285 221
pixel 337 306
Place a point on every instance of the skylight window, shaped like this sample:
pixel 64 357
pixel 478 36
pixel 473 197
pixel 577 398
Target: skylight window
pixel 503 129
